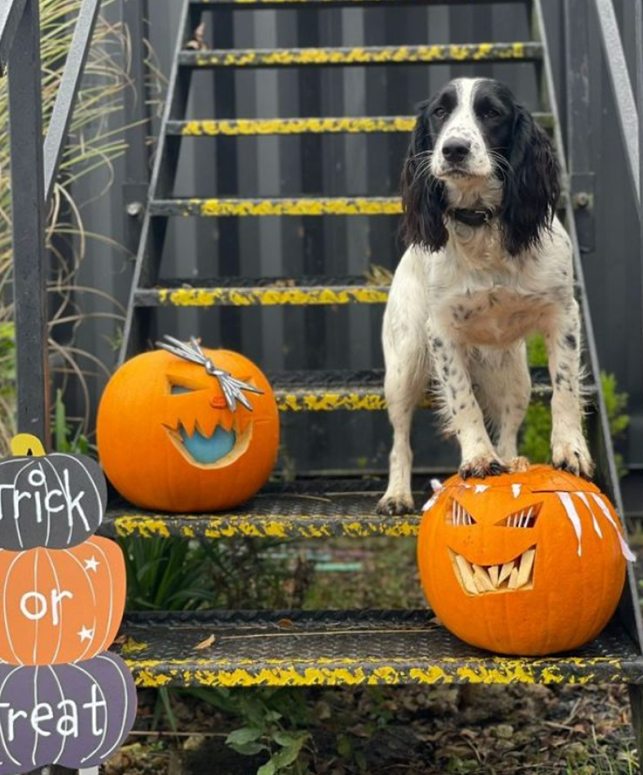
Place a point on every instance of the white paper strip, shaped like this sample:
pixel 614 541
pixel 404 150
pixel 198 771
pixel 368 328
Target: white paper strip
pixel 430 503
pixel 572 514
pixel 627 552
pixel 597 527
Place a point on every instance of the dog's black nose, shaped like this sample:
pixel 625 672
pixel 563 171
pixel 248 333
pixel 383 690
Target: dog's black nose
pixel 456 150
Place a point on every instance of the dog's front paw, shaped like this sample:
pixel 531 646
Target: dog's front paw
pixel 396 505
pixel 482 466
pixel 573 457
pixel 518 465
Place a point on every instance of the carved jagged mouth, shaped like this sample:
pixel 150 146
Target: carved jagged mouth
pixel 506 577
pixel 220 448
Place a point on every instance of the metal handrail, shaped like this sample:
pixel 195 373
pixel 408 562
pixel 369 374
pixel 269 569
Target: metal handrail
pixel 34 166
pixel 626 108
pixel 10 15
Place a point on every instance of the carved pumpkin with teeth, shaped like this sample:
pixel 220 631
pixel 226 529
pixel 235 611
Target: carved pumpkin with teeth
pixel 188 429
pixel 527 563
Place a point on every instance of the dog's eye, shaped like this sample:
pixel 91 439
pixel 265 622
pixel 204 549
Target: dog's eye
pixel 440 113
pixel 491 113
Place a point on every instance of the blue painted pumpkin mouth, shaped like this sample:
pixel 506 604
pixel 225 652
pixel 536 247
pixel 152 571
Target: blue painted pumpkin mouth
pixel 208 449
pixel 217 450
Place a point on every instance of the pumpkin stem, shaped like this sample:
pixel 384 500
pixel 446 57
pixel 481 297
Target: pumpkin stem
pixel 25 444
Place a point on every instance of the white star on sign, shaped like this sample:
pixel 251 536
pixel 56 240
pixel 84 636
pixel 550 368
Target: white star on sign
pixel 85 634
pixel 91 564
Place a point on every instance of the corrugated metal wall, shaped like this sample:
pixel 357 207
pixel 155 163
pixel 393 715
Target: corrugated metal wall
pixel 346 337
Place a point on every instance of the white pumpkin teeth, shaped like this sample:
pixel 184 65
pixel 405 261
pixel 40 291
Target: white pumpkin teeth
pixel 505 571
pixel 526 564
pixel 460 516
pixel 466 574
pixel 480 579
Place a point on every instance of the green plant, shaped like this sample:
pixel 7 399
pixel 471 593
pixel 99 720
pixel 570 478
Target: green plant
pixel 273 725
pixel 66 437
pixel 536 432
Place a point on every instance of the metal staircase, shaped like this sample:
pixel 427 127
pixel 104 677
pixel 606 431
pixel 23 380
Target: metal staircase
pixel 328 647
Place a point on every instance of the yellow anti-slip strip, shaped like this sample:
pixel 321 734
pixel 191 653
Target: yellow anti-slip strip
pixel 264 207
pixel 349 672
pixel 294 126
pixel 370 55
pixel 267 296
pixel 252 127
pixel 260 526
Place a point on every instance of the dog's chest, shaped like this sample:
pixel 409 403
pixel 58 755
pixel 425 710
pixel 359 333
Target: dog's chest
pixel 495 316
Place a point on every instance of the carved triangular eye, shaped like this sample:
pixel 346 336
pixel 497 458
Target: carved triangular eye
pixel 524 518
pixel 458 516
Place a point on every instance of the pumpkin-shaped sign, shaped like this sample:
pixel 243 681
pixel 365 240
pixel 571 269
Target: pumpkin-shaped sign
pixel 60 605
pixel 72 715
pixel 53 500
pixel 188 429
pixel 529 563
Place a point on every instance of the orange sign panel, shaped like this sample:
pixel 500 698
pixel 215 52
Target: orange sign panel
pixel 60 605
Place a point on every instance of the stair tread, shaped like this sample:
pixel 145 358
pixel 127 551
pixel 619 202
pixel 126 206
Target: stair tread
pixel 266 291
pixel 298 648
pixel 302 509
pixel 264 206
pixel 310 125
pixel 209 207
pixel 332 390
pixel 363 55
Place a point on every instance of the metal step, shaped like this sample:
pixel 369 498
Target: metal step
pixel 317 508
pixel 331 648
pixel 362 205
pixel 330 391
pixel 252 5
pixel 266 292
pixel 279 206
pixel 367 55
pixel 250 127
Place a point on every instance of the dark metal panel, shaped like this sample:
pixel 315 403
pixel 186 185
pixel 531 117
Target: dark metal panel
pixel 28 212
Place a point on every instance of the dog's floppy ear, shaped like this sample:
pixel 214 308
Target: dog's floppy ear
pixel 531 185
pixel 422 194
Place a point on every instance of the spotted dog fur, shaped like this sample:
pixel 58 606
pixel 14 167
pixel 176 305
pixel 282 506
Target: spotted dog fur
pixel 464 298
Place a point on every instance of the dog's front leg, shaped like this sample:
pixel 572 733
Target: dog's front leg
pixel 461 410
pixel 568 446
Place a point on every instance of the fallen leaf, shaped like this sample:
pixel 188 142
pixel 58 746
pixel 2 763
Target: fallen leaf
pixel 205 644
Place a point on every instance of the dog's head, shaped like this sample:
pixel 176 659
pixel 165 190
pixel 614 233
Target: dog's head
pixel 470 139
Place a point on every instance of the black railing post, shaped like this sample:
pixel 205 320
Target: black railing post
pixel 28 212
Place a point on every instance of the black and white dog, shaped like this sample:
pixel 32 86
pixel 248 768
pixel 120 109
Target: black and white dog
pixel 487 264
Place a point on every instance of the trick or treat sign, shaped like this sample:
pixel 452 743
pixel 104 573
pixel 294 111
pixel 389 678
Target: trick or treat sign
pixel 73 715
pixel 55 500
pixel 63 698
